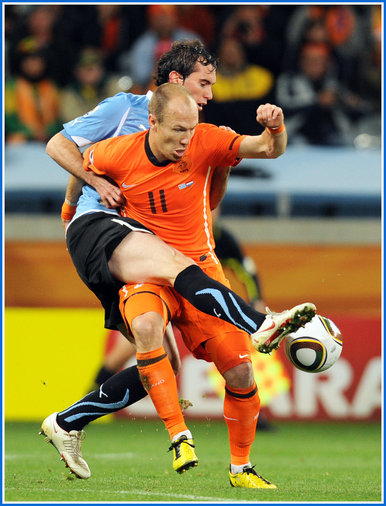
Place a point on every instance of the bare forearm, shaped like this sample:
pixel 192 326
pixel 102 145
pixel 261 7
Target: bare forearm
pixel 67 155
pixel 273 141
pixel 74 190
pixel 276 143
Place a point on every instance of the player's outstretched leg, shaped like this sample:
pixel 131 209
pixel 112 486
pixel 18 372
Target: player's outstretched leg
pixel 248 478
pixel 68 445
pixel 212 297
pixel 277 325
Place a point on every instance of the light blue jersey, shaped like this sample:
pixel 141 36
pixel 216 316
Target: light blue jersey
pixel 121 114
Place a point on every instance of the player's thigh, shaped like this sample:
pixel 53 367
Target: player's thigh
pixel 213 339
pixel 229 350
pixel 142 257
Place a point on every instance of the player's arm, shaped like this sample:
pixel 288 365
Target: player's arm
pixel 272 142
pixel 218 185
pixel 219 181
pixel 171 349
pixel 73 191
pixel 66 153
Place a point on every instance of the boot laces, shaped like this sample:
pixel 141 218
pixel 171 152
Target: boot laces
pixel 73 442
pixel 175 444
pixel 251 470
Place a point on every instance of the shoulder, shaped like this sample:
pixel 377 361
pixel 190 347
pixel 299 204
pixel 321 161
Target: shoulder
pixel 108 114
pixel 124 143
pixel 204 128
pixel 123 100
pixel 139 100
pixel 214 133
pixel 204 135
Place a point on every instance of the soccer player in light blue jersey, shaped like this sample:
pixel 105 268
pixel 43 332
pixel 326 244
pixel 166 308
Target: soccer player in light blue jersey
pixel 187 63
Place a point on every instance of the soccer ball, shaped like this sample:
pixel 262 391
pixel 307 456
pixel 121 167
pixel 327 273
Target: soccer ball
pixel 316 346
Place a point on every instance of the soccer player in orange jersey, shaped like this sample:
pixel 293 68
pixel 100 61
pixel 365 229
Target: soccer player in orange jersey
pixel 93 240
pixel 164 175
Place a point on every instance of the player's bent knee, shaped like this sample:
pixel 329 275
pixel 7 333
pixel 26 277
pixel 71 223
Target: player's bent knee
pixel 240 376
pixel 148 331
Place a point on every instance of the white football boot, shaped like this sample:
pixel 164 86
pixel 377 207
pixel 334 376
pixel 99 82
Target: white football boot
pixel 277 325
pixel 68 445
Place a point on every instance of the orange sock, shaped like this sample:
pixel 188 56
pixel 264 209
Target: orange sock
pixel 158 380
pixel 241 409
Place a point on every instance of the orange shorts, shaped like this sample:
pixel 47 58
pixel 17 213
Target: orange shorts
pixel 207 337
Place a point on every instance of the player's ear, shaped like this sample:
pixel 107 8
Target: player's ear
pixel 152 121
pixel 175 77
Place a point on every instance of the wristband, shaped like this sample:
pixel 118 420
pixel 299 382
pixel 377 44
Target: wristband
pixel 277 130
pixel 68 211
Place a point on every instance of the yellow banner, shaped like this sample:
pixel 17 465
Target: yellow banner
pixel 50 359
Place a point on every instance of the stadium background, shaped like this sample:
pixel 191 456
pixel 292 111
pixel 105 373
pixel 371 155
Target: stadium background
pixel 310 220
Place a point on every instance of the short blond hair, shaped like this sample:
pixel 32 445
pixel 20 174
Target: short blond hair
pixel 163 95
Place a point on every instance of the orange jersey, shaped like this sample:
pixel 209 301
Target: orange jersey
pixel 170 198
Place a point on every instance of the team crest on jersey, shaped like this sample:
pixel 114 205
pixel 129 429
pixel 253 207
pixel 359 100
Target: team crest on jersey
pixel 183 165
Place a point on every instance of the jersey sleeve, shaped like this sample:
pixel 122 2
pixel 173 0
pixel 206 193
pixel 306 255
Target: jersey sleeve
pixel 101 122
pixel 221 145
pixel 101 158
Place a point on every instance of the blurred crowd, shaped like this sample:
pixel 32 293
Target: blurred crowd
pixel 320 63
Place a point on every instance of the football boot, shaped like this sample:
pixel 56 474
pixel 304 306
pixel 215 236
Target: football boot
pixel 68 445
pixel 277 325
pixel 184 455
pixel 248 478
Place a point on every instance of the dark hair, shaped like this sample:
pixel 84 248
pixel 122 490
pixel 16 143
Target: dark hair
pixel 182 57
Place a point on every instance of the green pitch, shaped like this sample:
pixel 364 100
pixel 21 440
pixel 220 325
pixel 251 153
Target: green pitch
pixel 129 462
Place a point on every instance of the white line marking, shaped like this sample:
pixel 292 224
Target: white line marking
pixel 136 492
pixel 111 456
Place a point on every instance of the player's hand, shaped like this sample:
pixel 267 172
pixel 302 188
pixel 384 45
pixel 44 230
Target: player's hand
pixel 111 196
pixel 270 115
pixel 175 362
pixel 65 224
pixel 171 348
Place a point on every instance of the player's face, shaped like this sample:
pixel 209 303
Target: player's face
pixel 200 83
pixel 172 136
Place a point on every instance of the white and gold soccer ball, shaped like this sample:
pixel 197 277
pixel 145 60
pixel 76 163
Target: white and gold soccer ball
pixel 316 346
